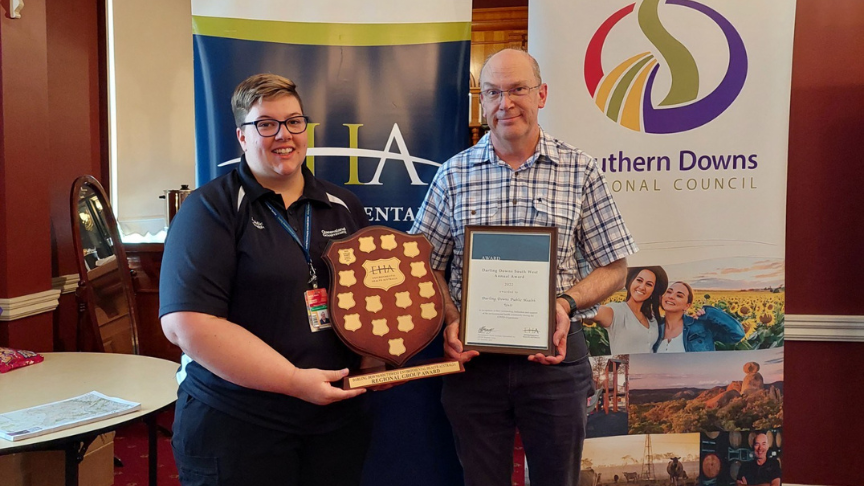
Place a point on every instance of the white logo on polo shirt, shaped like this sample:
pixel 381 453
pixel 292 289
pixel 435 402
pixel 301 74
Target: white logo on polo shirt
pixel 257 224
pixel 334 233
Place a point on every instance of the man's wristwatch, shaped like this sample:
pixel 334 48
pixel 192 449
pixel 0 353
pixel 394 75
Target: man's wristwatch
pixel 571 302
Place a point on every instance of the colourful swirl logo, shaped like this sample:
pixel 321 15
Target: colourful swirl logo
pixel 625 94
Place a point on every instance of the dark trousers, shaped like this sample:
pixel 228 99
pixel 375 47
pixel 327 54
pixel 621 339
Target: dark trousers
pixel 498 394
pixel 212 448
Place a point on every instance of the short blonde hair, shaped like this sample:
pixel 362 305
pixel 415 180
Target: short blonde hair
pixel 259 87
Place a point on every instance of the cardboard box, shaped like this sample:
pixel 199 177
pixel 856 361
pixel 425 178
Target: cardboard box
pixel 46 468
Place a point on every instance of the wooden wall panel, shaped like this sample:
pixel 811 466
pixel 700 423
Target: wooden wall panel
pixel 51 132
pixel 493 29
pixel 76 81
pixel 73 103
pixel 26 158
pixel 25 162
pixel 821 419
pixel 824 237
pixel 826 187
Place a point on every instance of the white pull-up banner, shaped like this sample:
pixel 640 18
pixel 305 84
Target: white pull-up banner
pixel 685 106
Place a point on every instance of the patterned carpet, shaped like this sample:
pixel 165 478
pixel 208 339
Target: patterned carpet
pixel 131 447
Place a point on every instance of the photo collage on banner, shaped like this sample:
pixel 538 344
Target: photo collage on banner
pixel 684 106
pixel 385 86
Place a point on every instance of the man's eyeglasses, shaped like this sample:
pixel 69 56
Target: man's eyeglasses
pixel 269 127
pixel 517 92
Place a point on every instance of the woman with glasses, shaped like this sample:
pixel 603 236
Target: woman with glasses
pixel 242 264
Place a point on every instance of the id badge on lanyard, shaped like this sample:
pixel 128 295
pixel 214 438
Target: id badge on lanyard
pixel 316 309
pixel 315 298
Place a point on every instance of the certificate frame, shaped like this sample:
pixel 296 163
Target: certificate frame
pixel 508 289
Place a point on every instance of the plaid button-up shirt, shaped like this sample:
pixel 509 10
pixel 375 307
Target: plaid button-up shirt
pixel 558 186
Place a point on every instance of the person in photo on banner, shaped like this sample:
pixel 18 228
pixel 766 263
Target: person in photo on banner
pixel 632 324
pixel 762 470
pixel 518 175
pixel 679 332
pixel 242 293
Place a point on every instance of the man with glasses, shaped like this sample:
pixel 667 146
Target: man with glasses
pixel 242 266
pixel 518 175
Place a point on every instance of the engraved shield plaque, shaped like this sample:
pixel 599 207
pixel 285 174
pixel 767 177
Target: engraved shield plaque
pixel 384 299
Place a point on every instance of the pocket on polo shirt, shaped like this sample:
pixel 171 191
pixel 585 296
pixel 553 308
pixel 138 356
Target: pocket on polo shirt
pixel 548 213
pixel 484 215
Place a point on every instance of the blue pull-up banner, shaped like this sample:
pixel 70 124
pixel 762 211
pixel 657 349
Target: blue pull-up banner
pixel 385 85
pixel 386 89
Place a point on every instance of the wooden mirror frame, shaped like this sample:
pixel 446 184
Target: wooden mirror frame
pixel 86 291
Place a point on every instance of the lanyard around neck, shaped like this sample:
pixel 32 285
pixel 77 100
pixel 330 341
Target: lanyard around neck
pixel 307 238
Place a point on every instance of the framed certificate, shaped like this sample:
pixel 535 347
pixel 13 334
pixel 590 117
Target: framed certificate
pixel 508 289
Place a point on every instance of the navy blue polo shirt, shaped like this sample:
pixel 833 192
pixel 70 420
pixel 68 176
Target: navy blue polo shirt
pixel 227 255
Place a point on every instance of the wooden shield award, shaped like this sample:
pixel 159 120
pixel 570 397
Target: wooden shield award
pixel 385 302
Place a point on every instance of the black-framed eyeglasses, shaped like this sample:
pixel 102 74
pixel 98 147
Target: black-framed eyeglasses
pixel 268 127
pixel 519 91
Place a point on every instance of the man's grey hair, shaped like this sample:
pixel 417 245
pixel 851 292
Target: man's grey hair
pixel 534 65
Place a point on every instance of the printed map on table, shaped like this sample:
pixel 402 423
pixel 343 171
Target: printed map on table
pixel 64 414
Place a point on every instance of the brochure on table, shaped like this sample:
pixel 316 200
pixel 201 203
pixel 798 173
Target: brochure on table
pixel 56 416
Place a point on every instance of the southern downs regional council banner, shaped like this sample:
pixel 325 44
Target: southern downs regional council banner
pixel 684 104
pixel 385 84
